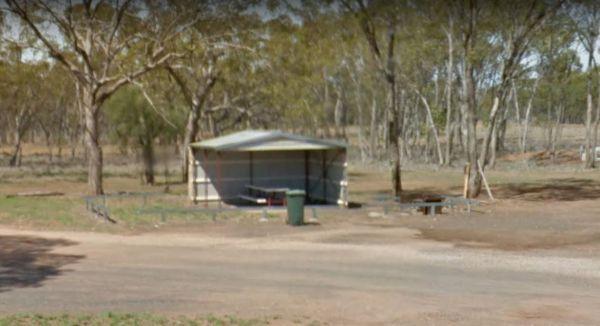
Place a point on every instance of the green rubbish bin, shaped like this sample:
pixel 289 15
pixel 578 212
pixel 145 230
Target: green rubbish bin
pixel 295 206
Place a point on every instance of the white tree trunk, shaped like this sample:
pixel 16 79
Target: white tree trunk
pixel 433 130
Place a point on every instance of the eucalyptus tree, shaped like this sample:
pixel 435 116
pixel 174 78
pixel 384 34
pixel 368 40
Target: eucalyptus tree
pixel 23 94
pixel 104 45
pixel 452 114
pixel 586 21
pixel 306 71
pixel 558 66
pixel 377 18
pixel 55 119
pixel 423 68
pixel 135 124
pixel 222 29
pixel 517 21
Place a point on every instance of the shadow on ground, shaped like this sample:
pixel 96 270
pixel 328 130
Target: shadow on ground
pixel 27 261
pixel 565 189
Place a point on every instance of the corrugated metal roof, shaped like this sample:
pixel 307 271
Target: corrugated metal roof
pixel 266 140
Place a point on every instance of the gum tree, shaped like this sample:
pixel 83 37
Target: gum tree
pixel 104 45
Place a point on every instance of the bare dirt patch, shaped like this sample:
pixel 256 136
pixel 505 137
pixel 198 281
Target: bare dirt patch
pixel 518 240
pixel 558 189
pixel 545 158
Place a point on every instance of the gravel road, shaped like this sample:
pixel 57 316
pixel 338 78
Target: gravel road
pixel 351 274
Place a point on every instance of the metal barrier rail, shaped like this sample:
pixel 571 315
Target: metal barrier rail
pixel 99 206
pixel 389 202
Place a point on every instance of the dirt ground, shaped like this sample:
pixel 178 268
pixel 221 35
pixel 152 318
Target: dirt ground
pixel 381 270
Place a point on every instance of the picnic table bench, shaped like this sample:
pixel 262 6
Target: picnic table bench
pixel 429 205
pixel 265 195
pixel 432 206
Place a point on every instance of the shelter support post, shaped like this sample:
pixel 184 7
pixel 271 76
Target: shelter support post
pixel 205 156
pixel 193 191
pixel 219 176
pixel 307 175
pixel 344 183
pixel 324 167
pixel 251 167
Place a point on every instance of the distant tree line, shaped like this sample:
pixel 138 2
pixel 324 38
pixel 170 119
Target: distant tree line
pixel 423 81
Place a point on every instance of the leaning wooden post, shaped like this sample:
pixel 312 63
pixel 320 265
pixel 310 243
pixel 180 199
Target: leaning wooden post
pixel 485 183
pixel 467 173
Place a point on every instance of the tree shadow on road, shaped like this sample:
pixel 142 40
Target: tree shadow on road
pixel 563 189
pixel 27 261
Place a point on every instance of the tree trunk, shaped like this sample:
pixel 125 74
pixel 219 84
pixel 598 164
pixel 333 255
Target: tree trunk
pixel 589 151
pixel 373 130
pixel 361 128
pixel 191 129
pixel 48 139
pixel 148 160
pixel 449 79
pixel 501 135
pixel 527 119
pixel 22 123
pixel 515 97
pixel 338 117
pixel 474 184
pixel 492 125
pixel 326 130
pixel 494 147
pixel 406 131
pixel 597 120
pixel 393 123
pixel 556 135
pixel 464 116
pixel 15 159
pixel 92 140
pixel 434 132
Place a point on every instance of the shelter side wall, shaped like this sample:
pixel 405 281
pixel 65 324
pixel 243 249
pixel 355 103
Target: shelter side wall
pixel 221 175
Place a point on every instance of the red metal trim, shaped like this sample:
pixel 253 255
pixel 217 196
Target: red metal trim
pixel 219 175
pixel 205 156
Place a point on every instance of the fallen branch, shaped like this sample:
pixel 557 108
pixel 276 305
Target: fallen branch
pixel 36 194
pixel 102 213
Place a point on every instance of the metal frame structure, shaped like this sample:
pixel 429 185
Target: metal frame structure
pixel 222 167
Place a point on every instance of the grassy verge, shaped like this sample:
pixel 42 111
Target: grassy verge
pixel 132 213
pixel 124 319
pixel 43 212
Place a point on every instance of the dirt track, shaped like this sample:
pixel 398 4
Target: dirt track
pixel 347 274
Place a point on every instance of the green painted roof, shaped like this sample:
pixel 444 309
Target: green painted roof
pixel 266 140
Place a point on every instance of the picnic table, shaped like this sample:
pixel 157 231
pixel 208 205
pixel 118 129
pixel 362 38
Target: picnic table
pixel 433 205
pixel 265 195
pixel 430 205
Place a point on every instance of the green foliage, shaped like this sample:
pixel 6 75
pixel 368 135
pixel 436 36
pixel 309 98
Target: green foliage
pixel 133 121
